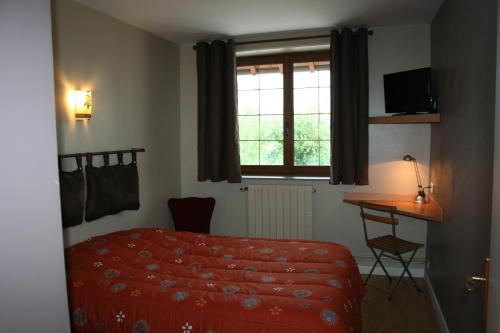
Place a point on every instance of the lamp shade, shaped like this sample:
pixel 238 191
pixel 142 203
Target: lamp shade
pixel 82 104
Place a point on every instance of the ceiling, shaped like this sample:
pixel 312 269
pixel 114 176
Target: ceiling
pixel 186 21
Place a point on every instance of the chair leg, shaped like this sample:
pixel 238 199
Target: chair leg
pixel 373 267
pixel 405 264
pixel 377 261
pixel 406 268
pixel 383 268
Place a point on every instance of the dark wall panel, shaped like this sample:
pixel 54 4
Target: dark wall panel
pixel 463 49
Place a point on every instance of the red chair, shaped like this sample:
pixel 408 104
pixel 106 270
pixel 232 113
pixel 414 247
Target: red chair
pixel 192 214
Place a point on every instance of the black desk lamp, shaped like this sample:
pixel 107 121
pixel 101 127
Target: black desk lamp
pixel 420 198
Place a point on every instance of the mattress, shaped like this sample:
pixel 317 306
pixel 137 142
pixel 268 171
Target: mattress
pixel 156 280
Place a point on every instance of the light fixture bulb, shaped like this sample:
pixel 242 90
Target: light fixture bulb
pixel 409 158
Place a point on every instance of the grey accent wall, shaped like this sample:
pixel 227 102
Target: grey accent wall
pixel 494 288
pixel 32 278
pixel 134 79
pixel 463 48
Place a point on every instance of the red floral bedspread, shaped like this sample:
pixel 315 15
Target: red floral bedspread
pixel 160 281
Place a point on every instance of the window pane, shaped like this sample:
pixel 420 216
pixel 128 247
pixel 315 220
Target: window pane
pixel 248 102
pixel 306 127
pixel 260 110
pixel 324 153
pixel 249 152
pixel 248 127
pixel 324 127
pixel 271 153
pixel 306 153
pixel 270 76
pixel 247 81
pixel 271 101
pixel 305 100
pixel 324 100
pixel 303 77
pixel 311 102
pixel 324 74
pixel 271 128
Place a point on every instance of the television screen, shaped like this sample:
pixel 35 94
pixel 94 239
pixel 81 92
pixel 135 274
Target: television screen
pixel 409 91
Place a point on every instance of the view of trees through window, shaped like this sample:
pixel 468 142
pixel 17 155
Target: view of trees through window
pixel 311 113
pixel 264 124
pixel 260 115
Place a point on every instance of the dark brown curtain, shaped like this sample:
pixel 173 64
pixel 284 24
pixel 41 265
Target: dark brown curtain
pixel 218 146
pixel 349 96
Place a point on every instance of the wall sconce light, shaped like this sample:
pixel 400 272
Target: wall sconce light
pixel 420 198
pixel 82 104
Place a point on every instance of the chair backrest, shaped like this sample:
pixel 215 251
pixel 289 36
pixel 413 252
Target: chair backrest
pixel 389 211
pixel 192 214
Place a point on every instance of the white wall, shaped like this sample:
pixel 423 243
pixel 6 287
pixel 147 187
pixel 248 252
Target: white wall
pixel 134 79
pixel 391 49
pixel 32 278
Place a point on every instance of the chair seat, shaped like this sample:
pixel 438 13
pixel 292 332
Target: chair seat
pixel 393 244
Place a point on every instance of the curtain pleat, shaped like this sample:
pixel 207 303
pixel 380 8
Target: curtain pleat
pixel 349 107
pixel 218 145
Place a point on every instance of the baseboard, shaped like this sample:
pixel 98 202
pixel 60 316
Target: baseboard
pixel 435 304
pixel 393 271
pixel 365 264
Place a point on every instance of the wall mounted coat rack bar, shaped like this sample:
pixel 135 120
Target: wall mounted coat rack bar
pixel 111 152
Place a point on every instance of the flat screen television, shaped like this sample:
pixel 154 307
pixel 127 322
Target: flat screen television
pixel 409 92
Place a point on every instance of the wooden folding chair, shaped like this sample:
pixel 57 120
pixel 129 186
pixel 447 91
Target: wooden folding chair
pixel 391 244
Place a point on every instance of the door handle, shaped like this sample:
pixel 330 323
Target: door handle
pixel 471 283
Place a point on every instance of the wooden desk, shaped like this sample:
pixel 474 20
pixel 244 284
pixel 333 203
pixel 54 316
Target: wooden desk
pixel 404 204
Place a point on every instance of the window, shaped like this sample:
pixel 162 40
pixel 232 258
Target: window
pixel 284 114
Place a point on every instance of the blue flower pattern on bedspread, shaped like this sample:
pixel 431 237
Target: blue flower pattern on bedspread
pixel 250 303
pixel 329 316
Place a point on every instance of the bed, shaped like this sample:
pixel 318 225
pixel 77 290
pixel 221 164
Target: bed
pixel 160 281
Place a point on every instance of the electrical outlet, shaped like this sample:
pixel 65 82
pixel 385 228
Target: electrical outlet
pixel 432 187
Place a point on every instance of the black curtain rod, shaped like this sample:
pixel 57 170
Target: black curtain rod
pixel 370 32
pixel 111 152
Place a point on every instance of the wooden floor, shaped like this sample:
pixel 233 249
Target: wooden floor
pixel 408 311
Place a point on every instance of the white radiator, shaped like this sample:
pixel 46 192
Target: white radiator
pixel 280 212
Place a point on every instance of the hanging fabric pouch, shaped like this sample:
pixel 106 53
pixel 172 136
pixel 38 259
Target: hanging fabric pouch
pixel 99 190
pixel 72 192
pixel 125 195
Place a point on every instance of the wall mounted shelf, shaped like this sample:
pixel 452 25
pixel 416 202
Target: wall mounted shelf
pixel 406 119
